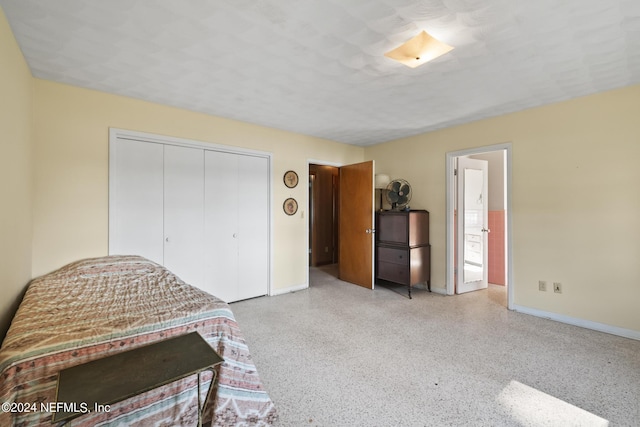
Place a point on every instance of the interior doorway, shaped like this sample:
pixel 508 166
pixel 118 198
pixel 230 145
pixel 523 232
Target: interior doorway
pixel 324 193
pixel 498 245
pixel 336 237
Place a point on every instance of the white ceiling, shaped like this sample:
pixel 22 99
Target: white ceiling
pixel 317 67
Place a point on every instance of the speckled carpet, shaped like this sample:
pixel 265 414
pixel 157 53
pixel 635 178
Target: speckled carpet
pixel 337 354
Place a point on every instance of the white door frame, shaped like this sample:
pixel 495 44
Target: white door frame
pixel 450 194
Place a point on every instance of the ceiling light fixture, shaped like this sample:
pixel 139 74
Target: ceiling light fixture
pixel 420 49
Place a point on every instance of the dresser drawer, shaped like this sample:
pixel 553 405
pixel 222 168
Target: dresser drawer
pixel 393 272
pixel 393 255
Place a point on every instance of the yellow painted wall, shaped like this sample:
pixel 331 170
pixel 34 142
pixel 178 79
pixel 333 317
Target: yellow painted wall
pixel 71 171
pixel 15 174
pixel 576 200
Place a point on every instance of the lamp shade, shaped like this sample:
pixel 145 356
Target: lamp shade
pixel 420 49
pixel 382 181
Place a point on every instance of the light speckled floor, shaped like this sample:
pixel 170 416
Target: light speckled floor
pixel 340 355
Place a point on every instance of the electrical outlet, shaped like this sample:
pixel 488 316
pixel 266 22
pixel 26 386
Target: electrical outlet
pixel 542 285
pixel 557 287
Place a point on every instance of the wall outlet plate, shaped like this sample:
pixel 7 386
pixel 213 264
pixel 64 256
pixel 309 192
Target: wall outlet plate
pixel 542 285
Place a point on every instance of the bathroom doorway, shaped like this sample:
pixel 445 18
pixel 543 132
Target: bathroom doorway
pixel 495 229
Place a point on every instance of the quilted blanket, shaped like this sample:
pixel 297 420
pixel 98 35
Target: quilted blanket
pixel 96 307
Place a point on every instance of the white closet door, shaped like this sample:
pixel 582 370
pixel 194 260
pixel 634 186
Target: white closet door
pixel 184 213
pixel 221 225
pixel 136 199
pixel 253 226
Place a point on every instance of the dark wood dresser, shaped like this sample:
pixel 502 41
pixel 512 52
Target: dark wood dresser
pixel 403 253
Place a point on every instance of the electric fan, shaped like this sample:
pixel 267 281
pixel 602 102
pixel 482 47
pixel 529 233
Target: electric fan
pixel 398 194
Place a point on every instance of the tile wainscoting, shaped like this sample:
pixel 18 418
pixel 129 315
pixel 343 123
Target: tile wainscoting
pixel 497 247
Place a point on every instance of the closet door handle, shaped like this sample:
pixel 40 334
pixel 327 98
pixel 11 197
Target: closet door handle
pixel 166 239
pixel 235 235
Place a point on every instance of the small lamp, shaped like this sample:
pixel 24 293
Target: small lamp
pixel 381 183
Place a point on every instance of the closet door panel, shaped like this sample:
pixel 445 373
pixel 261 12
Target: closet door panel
pixel 204 214
pixel 253 226
pixel 136 199
pixel 221 225
pixel 184 213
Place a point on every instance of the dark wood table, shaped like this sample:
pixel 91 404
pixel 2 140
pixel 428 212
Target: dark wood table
pixel 123 375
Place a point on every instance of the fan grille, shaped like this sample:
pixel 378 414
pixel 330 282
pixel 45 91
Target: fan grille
pixel 398 193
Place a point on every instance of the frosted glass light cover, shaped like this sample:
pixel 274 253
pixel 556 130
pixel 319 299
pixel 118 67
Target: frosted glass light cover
pixel 418 50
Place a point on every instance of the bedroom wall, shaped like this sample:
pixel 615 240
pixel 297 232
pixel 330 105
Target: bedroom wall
pixel 71 171
pixel 15 174
pixel 575 200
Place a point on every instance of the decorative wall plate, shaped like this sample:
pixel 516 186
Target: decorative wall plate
pixel 290 179
pixel 290 206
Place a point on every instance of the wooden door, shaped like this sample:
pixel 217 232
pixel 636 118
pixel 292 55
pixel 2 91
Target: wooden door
pixel 356 223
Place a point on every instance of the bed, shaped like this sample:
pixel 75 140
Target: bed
pixel 96 307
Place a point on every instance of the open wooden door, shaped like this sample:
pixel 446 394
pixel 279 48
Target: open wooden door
pixel 356 223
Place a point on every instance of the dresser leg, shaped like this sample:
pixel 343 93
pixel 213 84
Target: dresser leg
pixel 410 292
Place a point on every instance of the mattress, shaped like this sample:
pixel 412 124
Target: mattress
pixel 95 307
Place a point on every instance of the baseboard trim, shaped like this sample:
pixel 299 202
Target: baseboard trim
pixel 281 291
pixel 441 291
pixel 600 327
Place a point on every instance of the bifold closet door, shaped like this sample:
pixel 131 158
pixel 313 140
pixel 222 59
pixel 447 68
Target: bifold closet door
pixel 203 214
pixel 236 225
pixel 184 213
pixel 221 224
pixel 253 226
pixel 136 197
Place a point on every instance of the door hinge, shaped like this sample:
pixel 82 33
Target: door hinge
pixel 455 172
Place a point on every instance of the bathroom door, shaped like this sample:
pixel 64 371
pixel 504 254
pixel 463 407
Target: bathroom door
pixel 472 225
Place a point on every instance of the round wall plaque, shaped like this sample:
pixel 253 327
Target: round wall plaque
pixel 290 179
pixel 290 206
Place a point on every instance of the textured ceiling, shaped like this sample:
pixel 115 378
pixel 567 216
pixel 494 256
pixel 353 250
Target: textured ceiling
pixel 317 67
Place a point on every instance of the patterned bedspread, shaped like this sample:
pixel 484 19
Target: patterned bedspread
pixel 95 307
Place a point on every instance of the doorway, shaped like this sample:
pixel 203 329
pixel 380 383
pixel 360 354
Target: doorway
pixel 336 237
pixel 324 193
pixel 499 247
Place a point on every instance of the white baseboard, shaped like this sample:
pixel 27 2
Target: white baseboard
pixel 601 327
pixel 281 291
